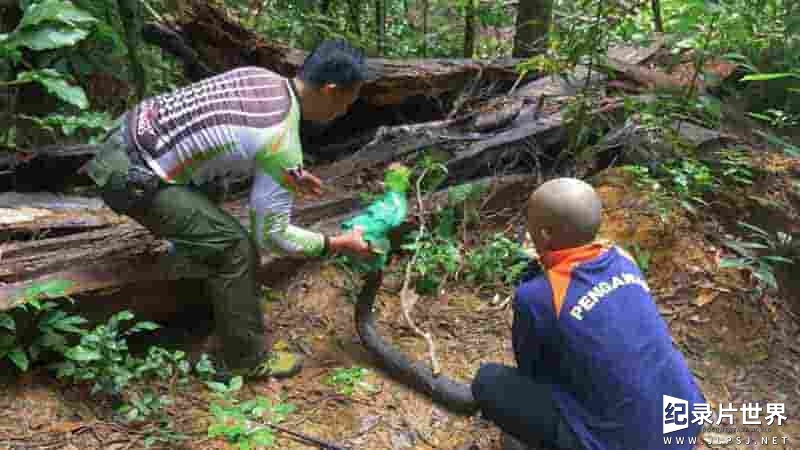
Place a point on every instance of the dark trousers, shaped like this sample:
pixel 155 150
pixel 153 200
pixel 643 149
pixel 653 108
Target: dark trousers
pixel 522 407
pixel 201 232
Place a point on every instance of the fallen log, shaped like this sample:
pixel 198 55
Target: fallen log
pixel 638 144
pixel 121 254
pixel 127 253
pixel 473 153
pixel 531 111
pixel 714 73
pixel 376 145
pixel 207 36
pixel 35 213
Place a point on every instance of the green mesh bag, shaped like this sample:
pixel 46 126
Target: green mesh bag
pixel 380 217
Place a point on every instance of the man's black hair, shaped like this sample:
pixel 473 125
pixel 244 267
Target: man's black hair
pixel 334 61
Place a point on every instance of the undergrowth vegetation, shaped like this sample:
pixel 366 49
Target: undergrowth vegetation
pixel 72 66
pixel 140 389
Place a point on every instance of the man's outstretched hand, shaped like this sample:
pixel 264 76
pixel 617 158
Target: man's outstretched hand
pixel 351 242
pixel 308 183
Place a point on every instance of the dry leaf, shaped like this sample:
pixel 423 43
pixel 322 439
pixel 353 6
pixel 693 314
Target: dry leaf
pixel 65 427
pixel 705 297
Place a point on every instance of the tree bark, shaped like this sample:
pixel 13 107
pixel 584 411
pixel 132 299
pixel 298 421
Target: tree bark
pixel 380 25
pixel 470 28
pixel 125 252
pixel 209 42
pixel 354 14
pixel 10 16
pixel 32 214
pixel 425 7
pixel 130 12
pixel 533 22
pixel 658 23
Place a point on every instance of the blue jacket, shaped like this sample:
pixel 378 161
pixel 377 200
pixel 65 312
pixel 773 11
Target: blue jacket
pixel 589 326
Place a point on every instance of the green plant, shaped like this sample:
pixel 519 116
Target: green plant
pixel 777 118
pixel 759 255
pixel 143 404
pixel 204 368
pixel 660 199
pixel 46 26
pixel 642 257
pixel 69 125
pixel 495 264
pixel 462 209
pixel 687 180
pixel 53 325
pixel 437 258
pixel 430 172
pixel 465 196
pixel 346 381
pixel 102 356
pixel 735 167
pixel 787 147
pixel 244 423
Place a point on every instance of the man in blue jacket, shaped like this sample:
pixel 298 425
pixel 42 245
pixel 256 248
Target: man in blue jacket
pixel 595 359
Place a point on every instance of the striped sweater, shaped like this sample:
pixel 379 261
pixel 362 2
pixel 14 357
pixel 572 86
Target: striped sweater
pixel 240 125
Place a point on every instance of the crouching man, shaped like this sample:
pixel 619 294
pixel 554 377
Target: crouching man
pixel 243 125
pixel 594 357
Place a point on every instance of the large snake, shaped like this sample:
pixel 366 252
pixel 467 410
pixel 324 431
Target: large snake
pixel 443 390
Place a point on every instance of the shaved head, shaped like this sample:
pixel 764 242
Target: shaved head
pixel 563 213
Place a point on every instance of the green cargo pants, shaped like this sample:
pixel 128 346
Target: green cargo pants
pixel 201 232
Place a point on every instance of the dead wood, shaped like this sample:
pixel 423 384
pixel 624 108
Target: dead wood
pixel 473 152
pixel 496 124
pixel 639 144
pixel 208 37
pixel 41 212
pixel 125 252
pixel 650 78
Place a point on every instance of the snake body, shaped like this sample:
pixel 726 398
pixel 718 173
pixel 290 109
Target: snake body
pixel 451 394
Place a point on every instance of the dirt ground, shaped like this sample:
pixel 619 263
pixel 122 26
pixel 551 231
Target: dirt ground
pixel 741 349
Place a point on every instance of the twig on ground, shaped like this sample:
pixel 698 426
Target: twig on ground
pixel 466 93
pixel 501 305
pixel 408 298
pixel 132 442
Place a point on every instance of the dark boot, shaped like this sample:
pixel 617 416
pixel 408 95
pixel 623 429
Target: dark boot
pixel 511 443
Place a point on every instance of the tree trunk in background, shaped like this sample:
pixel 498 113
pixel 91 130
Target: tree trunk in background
pixel 470 28
pixel 658 22
pixel 130 12
pixel 425 28
pixel 533 21
pixel 354 13
pixel 10 16
pixel 380 24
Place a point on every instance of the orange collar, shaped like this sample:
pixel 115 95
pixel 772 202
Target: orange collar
pixel 571 256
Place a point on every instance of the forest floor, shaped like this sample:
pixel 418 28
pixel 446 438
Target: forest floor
pixel 741 349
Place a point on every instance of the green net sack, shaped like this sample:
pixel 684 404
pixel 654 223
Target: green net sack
pixel 381 217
